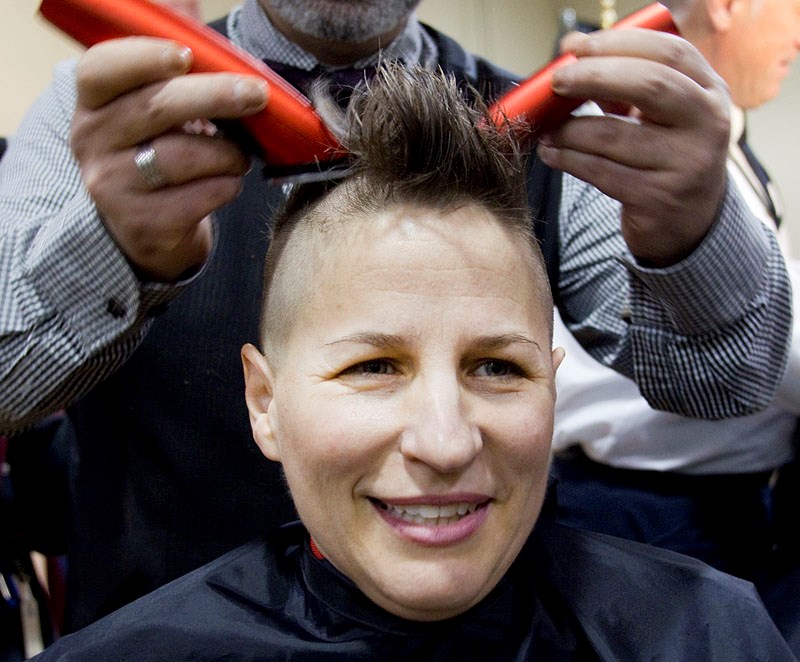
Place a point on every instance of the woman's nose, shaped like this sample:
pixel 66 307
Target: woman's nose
pixel 439 432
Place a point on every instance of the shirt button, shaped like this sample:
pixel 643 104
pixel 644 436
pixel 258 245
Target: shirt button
pixel 158 309
pixel 115 309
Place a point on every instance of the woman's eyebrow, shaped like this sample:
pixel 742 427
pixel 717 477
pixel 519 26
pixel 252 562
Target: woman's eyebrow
pixel 379 340
pixel 494 342
pixel 483 343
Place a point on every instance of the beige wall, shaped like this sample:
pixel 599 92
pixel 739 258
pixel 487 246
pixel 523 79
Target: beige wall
pixel 29 47
pixel 28 50
pixel 517 34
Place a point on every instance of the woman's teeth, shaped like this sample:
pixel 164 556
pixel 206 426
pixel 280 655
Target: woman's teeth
pixel 430 515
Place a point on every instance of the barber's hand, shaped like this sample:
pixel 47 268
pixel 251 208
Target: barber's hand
pixel 133 92
pixel 665 161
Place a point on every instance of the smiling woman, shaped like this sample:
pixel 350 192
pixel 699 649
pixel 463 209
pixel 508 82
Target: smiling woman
pixel 407 388
pixel 416 381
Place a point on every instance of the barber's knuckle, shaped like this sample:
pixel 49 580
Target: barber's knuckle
pixel 80 131
pixel 716 122
pixel 721 123
pixel 155 112
pixel 223 191
pixel 678 53
pixel 710 161
pixel 93 178
pixel 85 76
pixel 178 149
pixel 658 87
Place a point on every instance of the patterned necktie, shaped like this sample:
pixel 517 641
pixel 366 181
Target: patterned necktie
pixel 341 82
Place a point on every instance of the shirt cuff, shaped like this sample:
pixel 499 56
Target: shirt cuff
pixel 722 277
pixel 80 272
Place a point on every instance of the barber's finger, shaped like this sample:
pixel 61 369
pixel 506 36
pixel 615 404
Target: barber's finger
pixel 116 66
pixel 660 92
pixel 648 197
pixel 668 49
pixel 183 158
pixel 162 106
pixel 173 211
pixel 619 139
pixel 168 160
pixel 611 177
pixel 647 148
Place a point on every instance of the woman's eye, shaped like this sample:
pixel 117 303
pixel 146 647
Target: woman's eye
pixel 371 367
pixel 497 368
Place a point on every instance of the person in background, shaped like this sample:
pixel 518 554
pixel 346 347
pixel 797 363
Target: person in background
pixel 132 242
pixel 703 488
pixel 406 387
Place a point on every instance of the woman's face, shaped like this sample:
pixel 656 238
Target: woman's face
pixel 412 407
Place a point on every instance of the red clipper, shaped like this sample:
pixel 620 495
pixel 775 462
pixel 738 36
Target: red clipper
pixel 288 131
pixel 534 100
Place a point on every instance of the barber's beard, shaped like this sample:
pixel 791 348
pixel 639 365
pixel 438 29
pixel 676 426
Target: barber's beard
pixel 343 20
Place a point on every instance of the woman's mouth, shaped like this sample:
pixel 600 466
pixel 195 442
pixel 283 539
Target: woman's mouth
pixel 431 515
pixel 433 524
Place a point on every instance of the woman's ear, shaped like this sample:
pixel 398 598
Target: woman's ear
pixel 258 395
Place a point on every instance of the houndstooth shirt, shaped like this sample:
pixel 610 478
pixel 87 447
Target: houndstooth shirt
pixel 706 337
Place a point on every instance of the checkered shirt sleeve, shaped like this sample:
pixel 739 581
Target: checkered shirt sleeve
pixel 71 308
pixel 705 338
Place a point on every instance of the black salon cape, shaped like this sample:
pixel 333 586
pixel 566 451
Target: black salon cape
pixel 569 595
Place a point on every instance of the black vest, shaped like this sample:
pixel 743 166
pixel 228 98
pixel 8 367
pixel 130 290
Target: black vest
pixel 167 475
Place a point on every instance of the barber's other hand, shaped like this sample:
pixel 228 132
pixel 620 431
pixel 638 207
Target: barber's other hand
pixel 665 161
pixel 131 92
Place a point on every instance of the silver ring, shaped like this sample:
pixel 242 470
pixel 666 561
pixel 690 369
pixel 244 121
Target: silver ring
pixel 147 165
